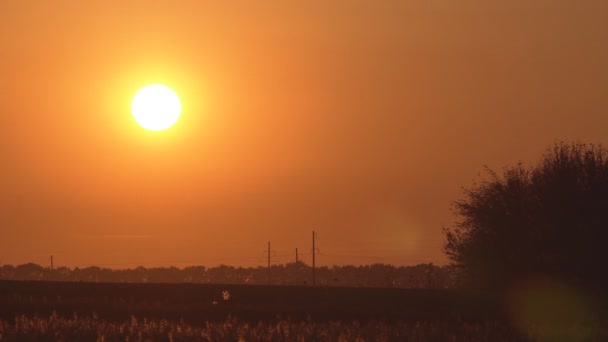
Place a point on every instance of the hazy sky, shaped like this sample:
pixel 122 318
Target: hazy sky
pixel 361 120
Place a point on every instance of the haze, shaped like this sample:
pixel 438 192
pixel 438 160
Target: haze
pixel 360 120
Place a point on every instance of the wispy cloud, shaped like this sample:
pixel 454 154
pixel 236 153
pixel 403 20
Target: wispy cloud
pixel 119 236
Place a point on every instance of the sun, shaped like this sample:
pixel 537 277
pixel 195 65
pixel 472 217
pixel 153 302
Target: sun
pixel 156 107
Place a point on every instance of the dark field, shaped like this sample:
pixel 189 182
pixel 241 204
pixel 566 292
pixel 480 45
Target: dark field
pixel 247 302
pixel 38 310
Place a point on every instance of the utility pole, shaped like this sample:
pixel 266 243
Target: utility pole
pixel 313 259
pixel 268 262
pixel 51 262
pixel 296 256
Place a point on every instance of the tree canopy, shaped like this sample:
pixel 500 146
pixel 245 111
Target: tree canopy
pixel 549 219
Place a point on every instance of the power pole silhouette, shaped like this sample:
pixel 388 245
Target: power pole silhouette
pixel 314 278
pixel 51 262
pixel 296 256
pixel 268 251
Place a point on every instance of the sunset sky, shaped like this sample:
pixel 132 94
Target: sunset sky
pixel 361 120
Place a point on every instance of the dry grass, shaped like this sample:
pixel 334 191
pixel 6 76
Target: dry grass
pixel 93 328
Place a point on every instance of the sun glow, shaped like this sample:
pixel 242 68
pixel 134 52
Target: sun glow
pixel 156 107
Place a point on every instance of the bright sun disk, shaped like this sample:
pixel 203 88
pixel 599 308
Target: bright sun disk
pixel 156 107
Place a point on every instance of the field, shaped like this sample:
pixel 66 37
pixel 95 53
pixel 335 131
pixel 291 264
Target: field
pixel 119 301
pixel 190 312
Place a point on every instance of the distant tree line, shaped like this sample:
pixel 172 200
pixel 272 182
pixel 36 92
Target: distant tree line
pixel 376 275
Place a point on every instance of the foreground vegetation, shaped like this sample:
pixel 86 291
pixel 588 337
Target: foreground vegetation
pixel 546 219
pixel 63 311
pixel 93 328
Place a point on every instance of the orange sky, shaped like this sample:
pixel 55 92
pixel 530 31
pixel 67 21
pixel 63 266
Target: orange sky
pixel 359 119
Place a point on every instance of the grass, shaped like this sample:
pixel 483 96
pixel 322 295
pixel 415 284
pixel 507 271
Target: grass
pixel 92 328
pixel 58 311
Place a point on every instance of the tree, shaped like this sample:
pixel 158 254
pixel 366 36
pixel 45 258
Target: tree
pixel 550 219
